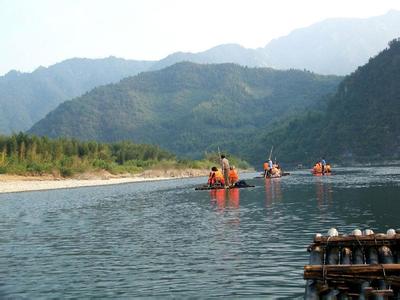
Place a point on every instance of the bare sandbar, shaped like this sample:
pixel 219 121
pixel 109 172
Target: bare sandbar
pixel 16 183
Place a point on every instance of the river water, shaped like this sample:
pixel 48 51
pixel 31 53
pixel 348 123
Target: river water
pixel 164 239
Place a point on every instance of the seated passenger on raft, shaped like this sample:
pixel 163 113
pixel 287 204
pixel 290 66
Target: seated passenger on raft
pixel 320 169
pixel 276 170
pixel 216 178
pixel 233 176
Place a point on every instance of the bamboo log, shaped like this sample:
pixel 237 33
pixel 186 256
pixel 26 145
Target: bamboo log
pixel 388 272
pixel 332 256
pixel 385 255
pixel 352 240
pixel 316 256
pixel 346 256
pixel 350 269
pixel 372 256
pixel 311 289
pixel 376 278
pixel 383 293
pixel 356 279
pixel 358 256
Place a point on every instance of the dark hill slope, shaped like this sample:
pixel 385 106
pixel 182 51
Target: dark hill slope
pixel 188 108
pixel 362 120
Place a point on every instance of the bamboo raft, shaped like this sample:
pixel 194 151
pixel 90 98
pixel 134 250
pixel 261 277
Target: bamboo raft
pixel 206 187
pixel 356 266
pixel 272 177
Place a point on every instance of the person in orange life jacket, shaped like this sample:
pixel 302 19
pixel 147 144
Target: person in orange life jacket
pixel 215 177
pixel 266 168
pixel 233 176
pixel 327 168
pixel 317 168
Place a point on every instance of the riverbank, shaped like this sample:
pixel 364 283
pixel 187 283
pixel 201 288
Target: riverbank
pixel 16 183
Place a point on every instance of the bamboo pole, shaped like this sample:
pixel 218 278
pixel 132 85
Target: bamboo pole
pixel 353 268
pixel 270 152
pixel 387 272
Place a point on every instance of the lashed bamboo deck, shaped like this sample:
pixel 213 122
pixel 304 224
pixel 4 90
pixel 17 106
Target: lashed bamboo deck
pixel 354 267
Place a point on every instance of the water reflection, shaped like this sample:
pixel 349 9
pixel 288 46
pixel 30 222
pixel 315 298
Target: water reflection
pixel 164 239
pixel 323 191
pixel 227 202
pixel 217 198
pixel 222 198
pixel 234 197
pixel 273 192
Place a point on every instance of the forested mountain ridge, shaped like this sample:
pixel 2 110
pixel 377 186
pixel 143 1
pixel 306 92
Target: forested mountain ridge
pixel 25 98
pixel 361 123
pixel 189 108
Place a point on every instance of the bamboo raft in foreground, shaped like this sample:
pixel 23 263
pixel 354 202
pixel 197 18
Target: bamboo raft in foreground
pixel 356 266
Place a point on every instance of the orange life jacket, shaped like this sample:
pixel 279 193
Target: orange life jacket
pixel 266 166
pixel 233 176
pixel 211 178
pixel 318 168
pixel 219 177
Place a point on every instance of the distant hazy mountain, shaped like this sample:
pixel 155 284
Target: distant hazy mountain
pixel 334 46
pixel 227 53
pixel 361 122
pixel 188 108
pixel 25 98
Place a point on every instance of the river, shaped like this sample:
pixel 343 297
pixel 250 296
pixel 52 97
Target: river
pixel 164 239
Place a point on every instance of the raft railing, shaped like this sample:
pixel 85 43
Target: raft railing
pixel 355 266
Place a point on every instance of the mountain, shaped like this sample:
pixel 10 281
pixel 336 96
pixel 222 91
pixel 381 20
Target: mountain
pixel 188 108
pixel 361 122
pixel 25 98
pixel 227 53
pixel 334 46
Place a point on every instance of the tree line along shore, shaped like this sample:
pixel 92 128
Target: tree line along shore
pixel 30 155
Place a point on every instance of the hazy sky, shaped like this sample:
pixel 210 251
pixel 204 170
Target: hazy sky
pixel 43 32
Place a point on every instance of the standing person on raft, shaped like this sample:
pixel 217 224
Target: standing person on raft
pixel 323 164
pixel 270 166
pixel 225 169
pixel 266 168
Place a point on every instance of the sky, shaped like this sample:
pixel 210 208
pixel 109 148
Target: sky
pixel 37 33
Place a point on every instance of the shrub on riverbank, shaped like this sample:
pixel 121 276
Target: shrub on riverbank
pixel 24 154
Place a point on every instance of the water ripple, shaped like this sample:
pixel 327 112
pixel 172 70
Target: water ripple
pixel 163 239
